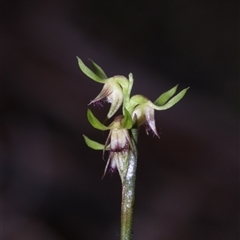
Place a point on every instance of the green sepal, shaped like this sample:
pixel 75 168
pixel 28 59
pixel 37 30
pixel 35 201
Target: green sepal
pixel 163 98
pixel 98 70
pixel 89 72
pixel 135 101
pixel 123 82
pixel 93 144
pixel 95 122
pixel 172 101
pixel 127 120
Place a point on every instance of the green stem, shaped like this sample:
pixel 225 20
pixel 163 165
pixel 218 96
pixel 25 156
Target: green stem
pixel 128 191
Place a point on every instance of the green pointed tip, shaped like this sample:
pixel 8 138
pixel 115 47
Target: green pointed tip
pixel 172 101
pixel 98 70
pixel 163 98
pixel 93 144
pixel 89 72
pixel 95 122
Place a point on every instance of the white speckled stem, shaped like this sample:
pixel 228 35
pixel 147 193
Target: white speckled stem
pixel 128 191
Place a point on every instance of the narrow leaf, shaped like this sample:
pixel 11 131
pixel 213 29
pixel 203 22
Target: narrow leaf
pixel 98 70
pixel 89 72
pixel 172 101
pixel 92 144
pixel 165 96
pixel 95 122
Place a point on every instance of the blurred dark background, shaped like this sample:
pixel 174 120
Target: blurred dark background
pixel 187 182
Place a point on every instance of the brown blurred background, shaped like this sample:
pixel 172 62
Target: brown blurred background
pixel 187 182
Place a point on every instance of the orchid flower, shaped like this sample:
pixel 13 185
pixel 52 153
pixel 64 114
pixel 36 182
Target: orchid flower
pixel 113 90
pixel 118 142
pixel 142 108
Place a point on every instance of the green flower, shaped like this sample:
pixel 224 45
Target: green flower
pixel 114 89
pixel 118 142
pixel 142 108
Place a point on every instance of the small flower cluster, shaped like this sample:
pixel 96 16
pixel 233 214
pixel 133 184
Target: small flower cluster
pixel 136 111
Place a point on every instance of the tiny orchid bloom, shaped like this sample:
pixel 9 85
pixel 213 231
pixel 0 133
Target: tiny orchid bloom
pixel 118 142
pixel 120 145
pixel 114 89
pixel 144 114
pixel 142 108
pixel 113 92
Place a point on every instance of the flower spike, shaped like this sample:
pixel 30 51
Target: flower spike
pixel 137 110
pixel 123 131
